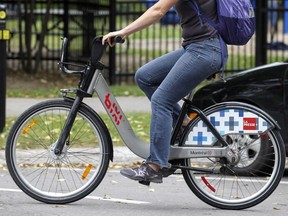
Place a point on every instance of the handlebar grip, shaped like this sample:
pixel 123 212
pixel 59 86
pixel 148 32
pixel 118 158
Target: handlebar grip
pixel 63 49
pixel 117 39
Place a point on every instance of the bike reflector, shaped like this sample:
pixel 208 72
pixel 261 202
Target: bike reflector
pixel 26 130
pixel 87 171
pixel 208 184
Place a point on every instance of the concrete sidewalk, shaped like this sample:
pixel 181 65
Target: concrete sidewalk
pixel 16 106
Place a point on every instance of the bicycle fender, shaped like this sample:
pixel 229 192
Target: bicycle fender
pixel 96 115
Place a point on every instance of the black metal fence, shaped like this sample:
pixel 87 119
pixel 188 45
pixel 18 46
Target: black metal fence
pixel 36 28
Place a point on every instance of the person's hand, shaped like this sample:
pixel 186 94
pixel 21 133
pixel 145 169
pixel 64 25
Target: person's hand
pixel 110 35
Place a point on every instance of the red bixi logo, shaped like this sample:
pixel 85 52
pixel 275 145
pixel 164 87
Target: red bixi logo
pixel 113 109
pixel 250 124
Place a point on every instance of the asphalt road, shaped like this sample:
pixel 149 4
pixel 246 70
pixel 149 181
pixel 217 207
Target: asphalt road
pixel 119 196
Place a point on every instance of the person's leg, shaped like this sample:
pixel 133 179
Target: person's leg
pixel 199 61
pixel 151 75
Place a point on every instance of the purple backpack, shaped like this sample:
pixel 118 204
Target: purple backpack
pixel 236 20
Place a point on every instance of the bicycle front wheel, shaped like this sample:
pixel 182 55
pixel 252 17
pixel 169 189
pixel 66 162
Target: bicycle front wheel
pixel 259 157
pixel 50 178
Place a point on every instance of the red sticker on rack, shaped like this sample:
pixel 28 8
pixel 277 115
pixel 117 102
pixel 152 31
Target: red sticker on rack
pixel 250 124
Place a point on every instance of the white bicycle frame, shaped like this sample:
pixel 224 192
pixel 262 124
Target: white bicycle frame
pixel 137 146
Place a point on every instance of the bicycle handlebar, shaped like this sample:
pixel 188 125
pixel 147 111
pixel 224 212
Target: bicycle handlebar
pixel 96 53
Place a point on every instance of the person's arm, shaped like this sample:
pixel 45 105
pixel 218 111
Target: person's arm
pixel 150 16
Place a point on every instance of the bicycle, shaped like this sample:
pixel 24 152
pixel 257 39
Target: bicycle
pixel 58 151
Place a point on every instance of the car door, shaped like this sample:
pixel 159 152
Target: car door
pixel 285 125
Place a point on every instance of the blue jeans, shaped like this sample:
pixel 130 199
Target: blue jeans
pixel 169 78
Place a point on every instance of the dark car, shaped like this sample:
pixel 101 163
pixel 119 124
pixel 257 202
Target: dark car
pixel 265 87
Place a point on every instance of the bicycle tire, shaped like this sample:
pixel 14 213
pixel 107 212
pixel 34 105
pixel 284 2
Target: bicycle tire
pixel 58 179
pixel 228 186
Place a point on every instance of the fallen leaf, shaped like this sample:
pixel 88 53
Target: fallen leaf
pixel 59 206
pixel 106 197
pixel 114 182
pixel 43 81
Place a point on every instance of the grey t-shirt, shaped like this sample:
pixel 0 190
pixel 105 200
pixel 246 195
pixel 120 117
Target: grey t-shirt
pixel 189 21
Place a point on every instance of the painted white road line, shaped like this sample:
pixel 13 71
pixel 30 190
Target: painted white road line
pixel 117 200
pixel 110 199
pixel 10 190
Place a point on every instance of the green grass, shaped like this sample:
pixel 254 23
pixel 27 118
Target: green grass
pixel 140 122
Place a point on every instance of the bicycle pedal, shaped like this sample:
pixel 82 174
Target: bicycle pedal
pixel 147 183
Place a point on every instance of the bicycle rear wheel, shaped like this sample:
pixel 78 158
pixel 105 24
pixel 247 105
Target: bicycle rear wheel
pixel 45 176
pixel 260 152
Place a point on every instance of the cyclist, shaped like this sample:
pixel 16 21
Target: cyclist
pixel 167 79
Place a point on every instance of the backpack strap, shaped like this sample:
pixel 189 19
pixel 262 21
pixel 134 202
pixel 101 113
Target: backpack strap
pixel 202 16
pixel 196 8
